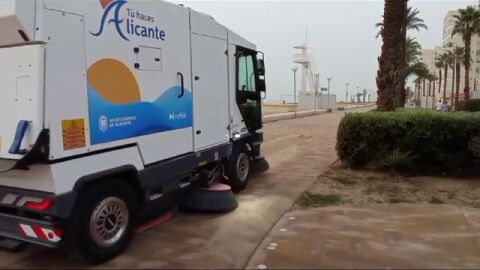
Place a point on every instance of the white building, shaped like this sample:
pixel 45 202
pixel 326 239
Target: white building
pixel 450 43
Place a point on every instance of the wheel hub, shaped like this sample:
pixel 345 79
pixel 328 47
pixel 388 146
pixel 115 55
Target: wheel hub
pixel 243 167
pixel 109 222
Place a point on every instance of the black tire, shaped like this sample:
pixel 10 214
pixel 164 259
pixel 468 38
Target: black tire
pixel 81 242
pixel 239 161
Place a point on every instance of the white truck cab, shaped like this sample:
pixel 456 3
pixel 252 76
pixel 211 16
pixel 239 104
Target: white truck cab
pixel 108 106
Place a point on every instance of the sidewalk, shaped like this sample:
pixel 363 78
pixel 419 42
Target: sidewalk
pixel 373 237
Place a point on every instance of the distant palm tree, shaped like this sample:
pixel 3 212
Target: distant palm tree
pixel 458 55
pixel 446 58
pixel 439 63
pixel 434 92
pixel 422 77
pixel 417 82
pixel 431 82
pixel 467 24
pixel 390 59
pixel 452 66
pixel 410 21
pixel 430 79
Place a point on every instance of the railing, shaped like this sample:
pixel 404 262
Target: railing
pixel 301 58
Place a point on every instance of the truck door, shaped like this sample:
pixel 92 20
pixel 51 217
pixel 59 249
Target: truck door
pixel 249 88
pixel 210 87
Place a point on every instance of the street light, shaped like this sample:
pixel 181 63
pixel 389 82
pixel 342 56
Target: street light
pixel 346 99
pixel 317 86
pixel 329 79
pixel 358 97
pixel 295 69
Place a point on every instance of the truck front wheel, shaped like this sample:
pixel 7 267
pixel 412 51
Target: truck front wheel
pixel 239 168
pixel 102 225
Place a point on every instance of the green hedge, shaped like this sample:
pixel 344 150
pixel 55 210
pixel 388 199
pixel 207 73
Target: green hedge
pixel 416 142
pixel 472 105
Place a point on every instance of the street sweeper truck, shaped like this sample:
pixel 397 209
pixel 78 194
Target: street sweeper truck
pixel 109 106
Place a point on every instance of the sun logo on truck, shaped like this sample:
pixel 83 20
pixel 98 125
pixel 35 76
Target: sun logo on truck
pixel 129 21
pixel 105 3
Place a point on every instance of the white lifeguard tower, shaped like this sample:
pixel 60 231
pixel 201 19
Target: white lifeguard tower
pixel 310 96
pixel 309 79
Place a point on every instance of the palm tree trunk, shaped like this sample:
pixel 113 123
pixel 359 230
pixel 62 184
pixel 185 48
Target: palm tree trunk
pixel 400 91
pixel 434 93
pixel 414 97
pixel 457 93
pixel 468 57
pixel 419 95
pixel 424 87
pixel 390 59
pixel 439 80
pixel 429 93
pixel 453 82
pixel 445 84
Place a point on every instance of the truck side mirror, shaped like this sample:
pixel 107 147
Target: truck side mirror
pixel 261 67
pixel 262 86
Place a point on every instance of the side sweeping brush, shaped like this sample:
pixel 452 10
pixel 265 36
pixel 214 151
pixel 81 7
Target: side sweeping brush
pixel 218 199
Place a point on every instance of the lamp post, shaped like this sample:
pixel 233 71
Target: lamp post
pixel 329 79
pixel 358 97
pixel 295 69
pixel 317 85
pixel 346 99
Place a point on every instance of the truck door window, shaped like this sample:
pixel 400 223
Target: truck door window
pixel 246 73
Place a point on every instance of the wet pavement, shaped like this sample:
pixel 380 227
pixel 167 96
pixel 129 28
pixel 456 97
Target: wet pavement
pixel 374 237
pixel 263 233
pixel 298 151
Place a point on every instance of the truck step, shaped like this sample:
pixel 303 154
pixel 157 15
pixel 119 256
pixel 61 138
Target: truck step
pixel 11 245
pixel 155 222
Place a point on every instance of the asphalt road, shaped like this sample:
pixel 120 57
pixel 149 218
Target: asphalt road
pixel 298 151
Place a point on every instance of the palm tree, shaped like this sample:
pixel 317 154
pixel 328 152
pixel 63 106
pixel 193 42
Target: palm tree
pixel 413 51
pixel 458 55
pixel 434 96
pixel 390 59
pixel 413 22
pixel 410 21
pixel 422 75
pixel 467 24
pixel 439 63
pixel 446 58
pixel 431 81
pixel 452 66
pixel 417 82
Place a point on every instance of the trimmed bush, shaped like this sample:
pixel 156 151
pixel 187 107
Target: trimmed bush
pixel 472 105
pixel 415 142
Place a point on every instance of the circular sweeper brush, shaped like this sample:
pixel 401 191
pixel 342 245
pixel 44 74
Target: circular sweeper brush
pixel 218 198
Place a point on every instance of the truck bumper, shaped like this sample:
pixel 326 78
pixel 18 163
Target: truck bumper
pixel 30 231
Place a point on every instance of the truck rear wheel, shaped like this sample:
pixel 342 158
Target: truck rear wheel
pixel 239 168
pixel 103 222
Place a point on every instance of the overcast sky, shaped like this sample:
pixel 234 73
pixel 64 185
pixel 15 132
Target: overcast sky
pixel 341 33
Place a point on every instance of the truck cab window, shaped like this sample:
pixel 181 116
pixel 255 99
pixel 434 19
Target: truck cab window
pixel 248 88
pixel 246 73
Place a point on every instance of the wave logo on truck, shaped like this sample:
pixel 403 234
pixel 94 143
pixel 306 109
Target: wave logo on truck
pixel 117 111
pixel 137 23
